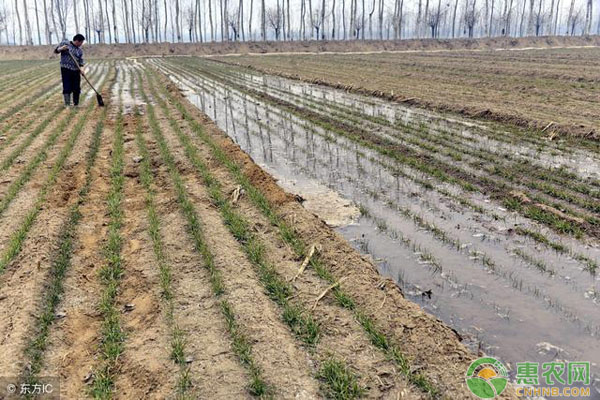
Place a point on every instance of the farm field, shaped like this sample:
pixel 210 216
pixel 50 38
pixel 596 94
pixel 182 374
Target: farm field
pixel 144 255
pixel 218 232
pixel 556 89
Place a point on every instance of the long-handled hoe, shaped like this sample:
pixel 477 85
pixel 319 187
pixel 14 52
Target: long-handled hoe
pixel 98 96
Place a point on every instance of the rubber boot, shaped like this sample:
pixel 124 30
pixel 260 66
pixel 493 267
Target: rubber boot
pixel 67 97
pixel 75 99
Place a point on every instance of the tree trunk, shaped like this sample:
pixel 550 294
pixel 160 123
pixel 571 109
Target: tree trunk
pixel 380 19
pixel 101 27
pixel 156 21
pixel 492 18
pixel 263 26
pixel 362 21
pixel 199 11
pixel 454 19
pixel 282 18
pixel 46 24
pixel 177 25
pixel 250 35
pixel 556 14
pixel 310 14
pixel 589 16
pixel 210 18
pixel 419 21
pixel 54 19
pixel 570 18
pixel 222 18
pixel 241 19
pixel 522 18
pixel 371 21
pixel 28 32
pixel 486 28
pixel 166 25
pixel 108 21
pixel 290 21
pixel 37 22
pixel 343 17
pixel 125 19
pixel 114 16
pixel 426 18
pixel 226 18
pixel 132 21
pixel 19 23
pixel 531 23
pixel 401 19
pixel 333 20
pixel 323 20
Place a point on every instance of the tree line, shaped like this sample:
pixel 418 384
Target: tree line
pixel 29 22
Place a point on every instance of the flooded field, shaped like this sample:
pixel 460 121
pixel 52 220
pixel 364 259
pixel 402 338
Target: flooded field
pixel 495 231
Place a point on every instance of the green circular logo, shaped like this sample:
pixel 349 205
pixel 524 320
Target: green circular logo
pixel 486 378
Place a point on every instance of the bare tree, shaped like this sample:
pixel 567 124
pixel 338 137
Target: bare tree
pixel 396 18
pixel 114 18
pixel 145 20
pixel 587 26
pixel 371 20
pixel 576 18
pixel 274 17
pixel 234 23
pixel 189 17
pixel 4 23
pixel 470 17
pixel 28 34
pixel 539 18
pixel 521 25
pixel 434 20
pixel 570 17
pixel 358 26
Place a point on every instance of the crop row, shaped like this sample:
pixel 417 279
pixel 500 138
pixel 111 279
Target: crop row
pixel 588 263
pixel 287 234
pixel 438 233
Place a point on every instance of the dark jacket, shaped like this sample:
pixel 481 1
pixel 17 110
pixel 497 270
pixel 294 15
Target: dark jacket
pixel 65 59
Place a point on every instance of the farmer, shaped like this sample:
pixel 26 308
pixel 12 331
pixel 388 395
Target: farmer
pixel 71 78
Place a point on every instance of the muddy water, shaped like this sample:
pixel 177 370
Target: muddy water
pixel 457 259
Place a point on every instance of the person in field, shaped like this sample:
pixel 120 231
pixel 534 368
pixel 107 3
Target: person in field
pixel 69 70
